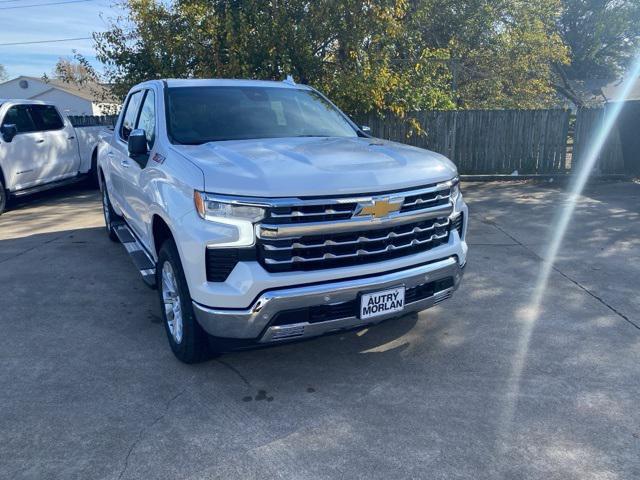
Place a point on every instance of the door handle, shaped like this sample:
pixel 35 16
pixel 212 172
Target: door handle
pixel 110 155
pixel 125 163
pixel 40 140
pixel 71 138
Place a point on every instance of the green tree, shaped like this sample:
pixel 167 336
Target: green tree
pixel 367 55
pixel 3 73
pixel 348 49
pixel 502 51
pixel 603 36
pixel 76 70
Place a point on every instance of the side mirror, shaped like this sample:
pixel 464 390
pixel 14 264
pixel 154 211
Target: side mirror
pixel 8 132
pixel 366 129
pixel 137 143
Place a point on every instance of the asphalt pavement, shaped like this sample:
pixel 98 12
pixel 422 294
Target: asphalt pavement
pixel 475 388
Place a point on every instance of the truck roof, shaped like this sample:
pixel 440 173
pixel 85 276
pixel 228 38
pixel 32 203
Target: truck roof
pixel 226 82
pixel 23 101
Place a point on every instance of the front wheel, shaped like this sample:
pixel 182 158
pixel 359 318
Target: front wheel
pixel 188 341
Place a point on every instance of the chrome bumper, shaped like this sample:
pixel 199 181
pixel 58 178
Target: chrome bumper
pixel 253 323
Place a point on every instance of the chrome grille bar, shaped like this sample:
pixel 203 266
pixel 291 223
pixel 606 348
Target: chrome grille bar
pixel 299 213
pixel 359 253
pixel 360 239
pixel 420 200
pixel 275 231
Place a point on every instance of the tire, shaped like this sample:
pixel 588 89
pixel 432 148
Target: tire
pixel 3 198
pixel 92 177
pixel 188 341
pixel 108 212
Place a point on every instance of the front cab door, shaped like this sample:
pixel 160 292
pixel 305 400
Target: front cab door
pixel 130 170
pixel 24 157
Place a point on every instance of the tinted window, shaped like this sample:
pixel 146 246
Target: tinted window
pixel 147 119
pixel 46 117
pixel 20 117
pixel 204 114
pixel 130 115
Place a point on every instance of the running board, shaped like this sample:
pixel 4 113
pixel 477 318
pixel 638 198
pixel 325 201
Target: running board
pixel 143 262
pixel 47 186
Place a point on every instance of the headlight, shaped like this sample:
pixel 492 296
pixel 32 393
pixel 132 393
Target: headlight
pixel 240 215
pixel 455 188
pixel 215 209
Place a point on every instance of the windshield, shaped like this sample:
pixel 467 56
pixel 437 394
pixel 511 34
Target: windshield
pixel 206 114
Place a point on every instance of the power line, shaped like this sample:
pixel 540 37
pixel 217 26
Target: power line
pixel 13 7
pixel 45 41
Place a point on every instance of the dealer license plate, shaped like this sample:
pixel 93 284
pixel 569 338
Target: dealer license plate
pixel 380 303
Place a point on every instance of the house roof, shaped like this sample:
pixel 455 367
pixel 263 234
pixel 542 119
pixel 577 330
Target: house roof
pixel 94 92
pixel 613 91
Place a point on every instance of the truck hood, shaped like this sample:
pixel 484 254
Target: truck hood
pixel 304 167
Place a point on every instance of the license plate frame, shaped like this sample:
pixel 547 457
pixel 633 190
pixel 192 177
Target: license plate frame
pixel 367 296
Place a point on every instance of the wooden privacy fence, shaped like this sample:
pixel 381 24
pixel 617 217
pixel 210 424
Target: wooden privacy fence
pixel 524 141
pixel 621 151
pixel 485 141
pixel 93 120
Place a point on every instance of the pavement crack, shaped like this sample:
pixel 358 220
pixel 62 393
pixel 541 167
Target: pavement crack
pixel 566 276
pixel 236 371
pixel 143 431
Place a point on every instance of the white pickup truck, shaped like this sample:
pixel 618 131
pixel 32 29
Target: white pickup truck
pixel 40 149
pixel 263 214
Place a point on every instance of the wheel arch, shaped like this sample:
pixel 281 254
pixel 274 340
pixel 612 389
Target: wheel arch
pixel 160 232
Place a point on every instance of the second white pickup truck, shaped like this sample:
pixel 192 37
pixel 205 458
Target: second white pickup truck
pixel 40 149
pixel 263 214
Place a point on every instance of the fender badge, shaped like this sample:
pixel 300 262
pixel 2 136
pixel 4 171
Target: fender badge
pixel 158 158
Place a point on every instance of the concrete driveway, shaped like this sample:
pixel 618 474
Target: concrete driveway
pixel 474 388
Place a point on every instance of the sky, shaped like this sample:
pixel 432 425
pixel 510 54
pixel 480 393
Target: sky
pixel 52 22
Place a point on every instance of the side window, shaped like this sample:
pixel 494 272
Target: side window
pixel 46 117
pixel 130 115
pixel 19 116
pixel 147 120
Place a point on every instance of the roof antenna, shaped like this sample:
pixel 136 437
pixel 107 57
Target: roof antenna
pixel 290 80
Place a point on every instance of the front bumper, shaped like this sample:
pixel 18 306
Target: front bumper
pixel 256 322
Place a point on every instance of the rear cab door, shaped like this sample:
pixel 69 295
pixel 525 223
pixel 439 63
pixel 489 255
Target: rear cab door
pixel 61 145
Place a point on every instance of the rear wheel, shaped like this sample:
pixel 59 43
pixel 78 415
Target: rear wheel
pixel 3 198
pixel 92 176
pixel 109 215
pixel 188 341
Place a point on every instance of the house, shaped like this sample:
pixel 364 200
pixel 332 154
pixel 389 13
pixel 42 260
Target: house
pixel 613 91
pixel 71 99
pixel 597 92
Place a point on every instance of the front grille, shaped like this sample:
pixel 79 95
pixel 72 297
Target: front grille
pixel 345 249
pixel 313 234
pixel 325 313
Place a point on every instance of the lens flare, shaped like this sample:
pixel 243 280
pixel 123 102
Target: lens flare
pixel 530 314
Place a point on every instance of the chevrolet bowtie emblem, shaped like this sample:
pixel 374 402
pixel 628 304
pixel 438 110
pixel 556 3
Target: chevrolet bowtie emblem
pixel 379 208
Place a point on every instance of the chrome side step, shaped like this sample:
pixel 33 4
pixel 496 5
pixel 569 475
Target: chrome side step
pixel 141 259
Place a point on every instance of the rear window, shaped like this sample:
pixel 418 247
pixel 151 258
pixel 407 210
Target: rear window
pixel 46 117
